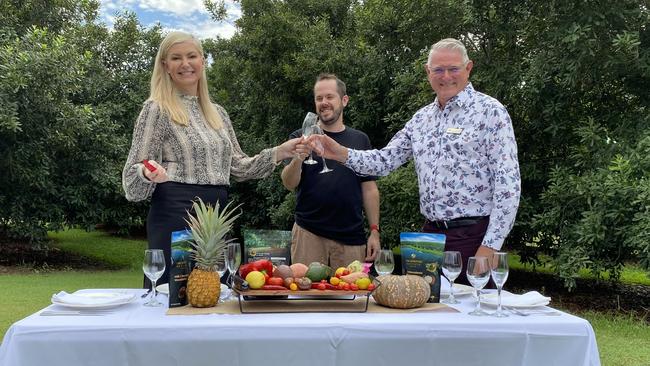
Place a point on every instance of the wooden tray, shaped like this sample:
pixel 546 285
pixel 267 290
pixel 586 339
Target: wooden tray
pixel 341 301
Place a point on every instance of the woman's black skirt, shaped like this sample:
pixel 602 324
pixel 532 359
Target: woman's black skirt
pixel 169 206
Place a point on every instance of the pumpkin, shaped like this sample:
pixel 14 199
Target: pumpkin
pixel 402 292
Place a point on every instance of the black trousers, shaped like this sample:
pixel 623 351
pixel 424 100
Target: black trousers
pixel 169 206
pixel 465 239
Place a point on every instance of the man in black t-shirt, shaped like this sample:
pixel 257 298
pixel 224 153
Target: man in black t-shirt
pixel 329 225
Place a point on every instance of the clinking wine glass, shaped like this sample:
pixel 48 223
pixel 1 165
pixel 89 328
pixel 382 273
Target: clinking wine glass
pixel 153 267
pixel 478 275
pixel 311 121
pixel 316 130
pixel 499 271
pixel 452 265
pixel 233 260
pixel 385 262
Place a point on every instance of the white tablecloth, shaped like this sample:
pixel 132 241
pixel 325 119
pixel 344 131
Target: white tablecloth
pixel 138 335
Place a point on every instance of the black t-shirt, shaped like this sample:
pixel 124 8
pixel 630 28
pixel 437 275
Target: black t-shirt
pixel 331 204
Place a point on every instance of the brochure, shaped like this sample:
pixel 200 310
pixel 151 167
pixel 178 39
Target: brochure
pixel 180 268
pixel 274 245
pixel 422 256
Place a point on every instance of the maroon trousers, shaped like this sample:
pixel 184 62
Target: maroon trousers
pixel 464 239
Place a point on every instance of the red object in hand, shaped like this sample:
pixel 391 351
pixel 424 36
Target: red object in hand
pixel 148 165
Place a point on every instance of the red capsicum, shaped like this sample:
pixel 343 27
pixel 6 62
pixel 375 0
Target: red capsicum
pixel 263 265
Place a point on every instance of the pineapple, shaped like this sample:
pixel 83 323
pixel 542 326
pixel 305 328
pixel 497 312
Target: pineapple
pixel 209 228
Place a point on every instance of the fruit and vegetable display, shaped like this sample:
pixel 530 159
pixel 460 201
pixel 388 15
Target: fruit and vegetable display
pixel 262 275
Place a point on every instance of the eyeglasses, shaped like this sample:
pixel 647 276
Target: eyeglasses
pixel 440 71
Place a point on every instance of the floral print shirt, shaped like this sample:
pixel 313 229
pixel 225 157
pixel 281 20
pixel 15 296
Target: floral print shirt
pixel 465 158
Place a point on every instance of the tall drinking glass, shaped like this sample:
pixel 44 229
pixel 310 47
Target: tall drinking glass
pixel 311 121
pixel 385 262
pixel 153 267
pixel 478 275
pixel 233 260
pixel 221 269
pixel 452 265
pixel 499 276
pixel 319 131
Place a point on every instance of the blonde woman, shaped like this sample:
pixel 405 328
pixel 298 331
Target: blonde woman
pixel 189 142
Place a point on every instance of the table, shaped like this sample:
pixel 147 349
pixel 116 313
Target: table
pixel 138 335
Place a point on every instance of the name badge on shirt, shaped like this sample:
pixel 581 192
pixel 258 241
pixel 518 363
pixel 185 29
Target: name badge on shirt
pixel 454 130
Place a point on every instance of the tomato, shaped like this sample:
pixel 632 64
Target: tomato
pixel 321 286
pixel 371 287
pixel 276 281
pixel 335 281
pixel 354 287
pixel 323 281
pixel 346 287
pixel 293 287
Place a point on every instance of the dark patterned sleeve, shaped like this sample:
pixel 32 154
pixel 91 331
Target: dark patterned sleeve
pixel 148 135
pixel 502 160
pixel 242 166
pixel 381 162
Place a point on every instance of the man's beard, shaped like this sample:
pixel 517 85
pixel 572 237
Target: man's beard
pixel 336 113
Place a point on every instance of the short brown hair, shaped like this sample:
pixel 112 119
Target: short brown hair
pixel 340 85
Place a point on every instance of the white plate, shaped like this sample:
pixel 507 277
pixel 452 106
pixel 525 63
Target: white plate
pixel 163 289
pixel 507 300
pixel 459 290
pixel 97 295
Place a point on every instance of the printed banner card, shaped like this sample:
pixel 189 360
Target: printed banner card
pixel 274 245
pixel 180 268
pixel 422 256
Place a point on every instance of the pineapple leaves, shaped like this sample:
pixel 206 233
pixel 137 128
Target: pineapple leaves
pixel 209 226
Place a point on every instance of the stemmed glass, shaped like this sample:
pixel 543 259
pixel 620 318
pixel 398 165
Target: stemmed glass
pixel 385 262
pixel 478 274
pixel 221 269
pixel 153 267
pixel 311 121
pixel 499 276
pixel 233 260
pixel 316 130
pixel 452 265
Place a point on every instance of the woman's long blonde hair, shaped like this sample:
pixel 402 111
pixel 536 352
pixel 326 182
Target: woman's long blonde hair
pixel 165 93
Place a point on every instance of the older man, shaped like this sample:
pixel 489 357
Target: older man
pixel 465 156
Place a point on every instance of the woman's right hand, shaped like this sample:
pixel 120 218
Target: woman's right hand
pixel 157 176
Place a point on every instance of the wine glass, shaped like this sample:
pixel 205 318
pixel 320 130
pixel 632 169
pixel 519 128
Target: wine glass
pixel 153 267
pixel 233 260
pixel 221 268
pixel 316 130
pixel 452 265
pixel 311 120
pixel 385 262
pixel 478 275
pixel 499 276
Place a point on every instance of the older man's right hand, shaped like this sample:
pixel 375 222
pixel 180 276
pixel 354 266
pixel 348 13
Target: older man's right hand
pixel 326 147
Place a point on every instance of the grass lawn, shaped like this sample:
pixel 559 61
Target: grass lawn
pixel 622 340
